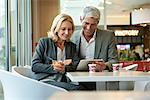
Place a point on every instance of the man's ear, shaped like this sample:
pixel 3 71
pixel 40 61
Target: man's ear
pixel 97 22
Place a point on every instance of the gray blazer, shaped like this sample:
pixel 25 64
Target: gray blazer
pixel 45 51
pixel 105 47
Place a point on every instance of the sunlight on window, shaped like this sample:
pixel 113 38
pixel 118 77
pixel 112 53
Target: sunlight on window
pixel 2 35
pixel 74 8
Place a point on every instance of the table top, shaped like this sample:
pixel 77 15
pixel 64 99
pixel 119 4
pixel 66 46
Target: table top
pixel 108 76
pixel 101 95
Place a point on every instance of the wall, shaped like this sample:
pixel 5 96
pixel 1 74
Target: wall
pixel 141 16
pixel 118 20
pixel 147 37
pixel 43 13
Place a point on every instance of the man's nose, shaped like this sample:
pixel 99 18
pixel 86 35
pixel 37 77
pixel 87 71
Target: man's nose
pixel 88 26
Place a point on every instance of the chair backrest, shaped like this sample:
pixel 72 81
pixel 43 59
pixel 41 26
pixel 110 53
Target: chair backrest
pixel 17 87
pixel 24 70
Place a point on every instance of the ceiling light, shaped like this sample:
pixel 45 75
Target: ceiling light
pixel 101 8
pixel 144 25
pixel 141 9
pixel 107 2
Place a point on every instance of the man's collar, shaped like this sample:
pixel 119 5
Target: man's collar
pixel 94 36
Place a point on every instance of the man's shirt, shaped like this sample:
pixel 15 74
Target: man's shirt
pixel 87 49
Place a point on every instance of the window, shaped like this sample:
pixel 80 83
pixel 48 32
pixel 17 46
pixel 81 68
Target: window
pixel 74 8
pixel 2 34
pixel 15 33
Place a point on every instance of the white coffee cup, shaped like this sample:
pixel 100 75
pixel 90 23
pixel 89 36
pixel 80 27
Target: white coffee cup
pixel 115 67
pixel 92 68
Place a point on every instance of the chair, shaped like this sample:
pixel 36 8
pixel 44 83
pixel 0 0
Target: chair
pixel 142 85
pixel 18 87
pixel 147 87
pixel 24 70
pixel 128 85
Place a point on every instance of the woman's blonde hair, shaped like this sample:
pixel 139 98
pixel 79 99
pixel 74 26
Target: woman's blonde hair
pixel 59 19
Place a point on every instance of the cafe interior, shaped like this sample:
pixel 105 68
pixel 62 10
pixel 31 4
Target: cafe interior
pixel 24 22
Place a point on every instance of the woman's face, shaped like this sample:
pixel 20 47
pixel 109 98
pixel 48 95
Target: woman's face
pixel 65 31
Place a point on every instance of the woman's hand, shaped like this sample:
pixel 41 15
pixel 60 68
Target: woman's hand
pixel 67 62
pixel 58 66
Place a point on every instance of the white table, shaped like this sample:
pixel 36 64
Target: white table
pixel 101 95
pixel 140 78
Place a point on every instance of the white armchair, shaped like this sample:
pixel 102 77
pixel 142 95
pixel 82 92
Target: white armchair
pixel 24 71
pixel 19 87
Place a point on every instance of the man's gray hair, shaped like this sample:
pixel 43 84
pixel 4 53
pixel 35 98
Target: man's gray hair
pixel 91 11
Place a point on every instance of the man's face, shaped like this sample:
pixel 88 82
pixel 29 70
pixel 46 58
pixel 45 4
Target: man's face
pixel 89 26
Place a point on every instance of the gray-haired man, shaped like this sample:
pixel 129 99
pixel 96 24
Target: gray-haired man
pixel 93 43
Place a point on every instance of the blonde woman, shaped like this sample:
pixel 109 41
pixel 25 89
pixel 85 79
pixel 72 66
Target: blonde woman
pixel 56 55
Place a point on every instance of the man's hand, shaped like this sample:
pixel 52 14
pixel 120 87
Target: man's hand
pixel 100 65
pixel 67 61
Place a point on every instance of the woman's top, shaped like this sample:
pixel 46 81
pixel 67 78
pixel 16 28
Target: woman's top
pixel 45 53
